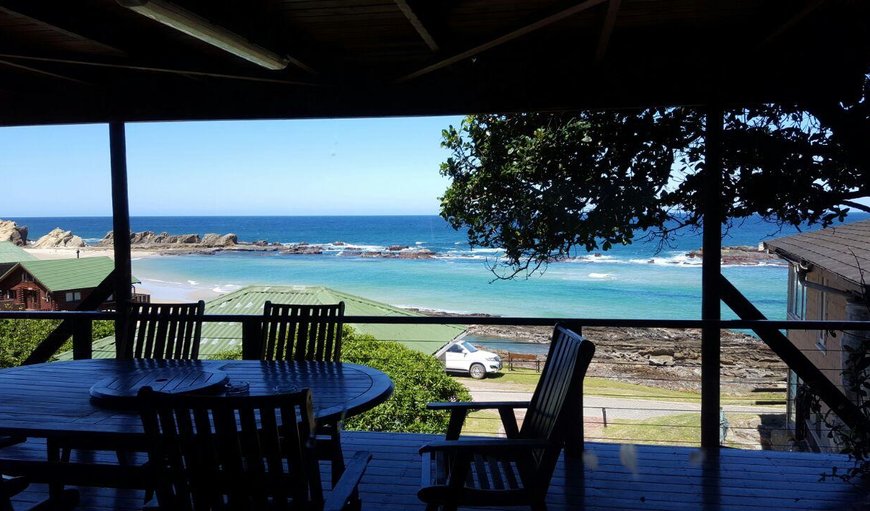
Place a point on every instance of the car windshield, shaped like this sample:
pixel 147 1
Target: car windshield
pixel 469 347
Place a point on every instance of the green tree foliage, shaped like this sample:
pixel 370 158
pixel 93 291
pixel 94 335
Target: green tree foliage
pixel 417 380
pixel 542 185
pixel 19 337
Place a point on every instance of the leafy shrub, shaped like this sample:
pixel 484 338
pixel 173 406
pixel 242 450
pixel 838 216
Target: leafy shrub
pixel 417 379
pixel 19 337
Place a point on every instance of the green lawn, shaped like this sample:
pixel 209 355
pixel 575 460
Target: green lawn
pixel 527 379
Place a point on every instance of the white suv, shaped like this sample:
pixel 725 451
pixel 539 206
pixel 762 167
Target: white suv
pixel 462 356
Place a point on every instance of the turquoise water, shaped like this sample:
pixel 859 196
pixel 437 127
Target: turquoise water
pixel 575 289
pixel 635 281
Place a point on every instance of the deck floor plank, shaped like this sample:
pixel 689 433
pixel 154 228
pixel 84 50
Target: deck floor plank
pixel 665 479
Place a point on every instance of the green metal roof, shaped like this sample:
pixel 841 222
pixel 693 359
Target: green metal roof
pixel 220 337
pixel 12 253
pixel 66 274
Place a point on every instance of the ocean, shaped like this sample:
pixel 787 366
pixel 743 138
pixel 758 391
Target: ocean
pixel 634 281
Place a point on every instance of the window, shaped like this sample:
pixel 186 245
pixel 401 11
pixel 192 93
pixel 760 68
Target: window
pixel 797 295
pixel 73 296
pixel 26 277
pixel 10 294
pixel 454 349
pixel 822 339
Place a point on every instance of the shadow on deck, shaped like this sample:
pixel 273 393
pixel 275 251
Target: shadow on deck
pixel 666 478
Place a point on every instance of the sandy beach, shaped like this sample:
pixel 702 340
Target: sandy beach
pixel 160 291
pixel 66 253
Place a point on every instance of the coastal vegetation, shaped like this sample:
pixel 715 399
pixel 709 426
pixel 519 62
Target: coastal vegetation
pixel 541 186
pixel 417 380
pixel 19 337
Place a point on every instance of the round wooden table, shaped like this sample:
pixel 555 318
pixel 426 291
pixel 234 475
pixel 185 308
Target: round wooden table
pixel 53 400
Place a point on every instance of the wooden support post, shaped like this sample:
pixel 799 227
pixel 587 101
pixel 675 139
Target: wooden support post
pixel 82 332
pixel 711 269
pixel 252 338
pixel 121 233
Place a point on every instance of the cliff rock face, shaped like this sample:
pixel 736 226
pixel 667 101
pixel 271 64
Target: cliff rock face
pixel 10 231
pixel 58 238
pixel 216 240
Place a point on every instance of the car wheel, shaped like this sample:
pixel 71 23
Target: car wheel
pixel 477 371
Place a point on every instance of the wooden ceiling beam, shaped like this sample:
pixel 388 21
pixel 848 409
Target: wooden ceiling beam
pixel 42 72
pixel 418 25
pixel 607 30
pixel 794 20
pixel 152 69
pixel 39 20
pixel 510 36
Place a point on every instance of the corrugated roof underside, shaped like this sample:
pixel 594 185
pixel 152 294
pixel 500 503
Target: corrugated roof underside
pixel 843 250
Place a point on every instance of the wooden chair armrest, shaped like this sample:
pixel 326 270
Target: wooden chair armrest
pixel 345 487
pixel 458 411
pixel 490 446
pixel 476 405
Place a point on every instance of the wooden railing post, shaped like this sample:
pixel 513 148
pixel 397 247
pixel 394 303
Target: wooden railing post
pixel 252 338
pixel 83 331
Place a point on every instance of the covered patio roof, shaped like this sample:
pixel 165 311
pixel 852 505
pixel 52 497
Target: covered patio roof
pixel 101 61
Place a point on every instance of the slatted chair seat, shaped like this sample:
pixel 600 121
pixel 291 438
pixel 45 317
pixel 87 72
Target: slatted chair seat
pixel 307 332
pixel 210 453
pixel 515 470
pixel 164 330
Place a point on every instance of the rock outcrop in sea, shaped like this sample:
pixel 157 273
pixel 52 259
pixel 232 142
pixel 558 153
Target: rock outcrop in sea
pixel 10 231
pixel 163 240
pixel 58 238
pixel 741 255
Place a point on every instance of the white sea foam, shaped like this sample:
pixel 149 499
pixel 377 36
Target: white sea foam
pixel 602 276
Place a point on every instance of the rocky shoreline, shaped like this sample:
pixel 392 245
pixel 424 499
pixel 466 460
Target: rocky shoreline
pixel 664 357
pixel 211 243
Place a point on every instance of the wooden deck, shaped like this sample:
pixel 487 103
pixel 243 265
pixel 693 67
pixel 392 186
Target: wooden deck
pixel 666 478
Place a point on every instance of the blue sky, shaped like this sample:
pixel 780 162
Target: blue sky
pixel 309 167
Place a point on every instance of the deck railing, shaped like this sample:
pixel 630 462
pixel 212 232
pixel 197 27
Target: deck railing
pixel 650 393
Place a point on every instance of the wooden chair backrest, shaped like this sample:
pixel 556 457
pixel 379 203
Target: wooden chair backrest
pixel 232 452
pixel 302 332
pixel 164 330
pixel 558 398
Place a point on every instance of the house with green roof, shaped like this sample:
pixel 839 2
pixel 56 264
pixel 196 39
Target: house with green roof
pixel 221 337
pixel 53 284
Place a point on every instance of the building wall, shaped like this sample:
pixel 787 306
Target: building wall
pixel 28 293
pixel 822 348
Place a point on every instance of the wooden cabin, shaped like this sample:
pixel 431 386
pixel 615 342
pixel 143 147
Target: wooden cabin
pixel 54 284
pixel 827 280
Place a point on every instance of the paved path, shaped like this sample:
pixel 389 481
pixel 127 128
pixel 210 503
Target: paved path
pixel 617 407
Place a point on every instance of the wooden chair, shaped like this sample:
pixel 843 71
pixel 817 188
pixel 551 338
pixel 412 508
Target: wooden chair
pixel 156 331
pixel 515 470
pixel 238 453
pixel 308 332
pixel 164 330
pixel 302 332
